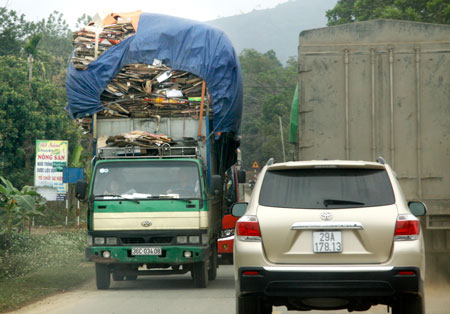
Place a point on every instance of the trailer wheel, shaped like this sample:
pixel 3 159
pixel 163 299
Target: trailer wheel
pixel 212 271
pixel 102 276
pixel 200 274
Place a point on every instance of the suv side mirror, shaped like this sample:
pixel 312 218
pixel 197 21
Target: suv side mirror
pixel 417 208
pixel 241 176
pixel 215 186
pixel 238 209
pixel 80 189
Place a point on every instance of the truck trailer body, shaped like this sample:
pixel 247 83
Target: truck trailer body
pixel 382 88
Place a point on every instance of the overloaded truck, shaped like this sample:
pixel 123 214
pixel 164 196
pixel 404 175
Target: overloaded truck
pixel 155 199
pixel 382 88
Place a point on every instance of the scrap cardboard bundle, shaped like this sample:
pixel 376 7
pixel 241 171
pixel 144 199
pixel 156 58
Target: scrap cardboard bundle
pixel 84 42
pixel 141 90
pixel 139 138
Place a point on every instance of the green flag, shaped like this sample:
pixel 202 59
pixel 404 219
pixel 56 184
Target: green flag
pixel 293 125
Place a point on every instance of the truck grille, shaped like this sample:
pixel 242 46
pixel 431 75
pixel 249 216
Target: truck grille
pixel 140 240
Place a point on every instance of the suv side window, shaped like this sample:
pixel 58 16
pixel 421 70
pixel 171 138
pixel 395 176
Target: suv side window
pixel 326 188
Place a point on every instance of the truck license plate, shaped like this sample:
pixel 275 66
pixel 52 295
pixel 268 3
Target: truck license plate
pixel 146 251
pixel 327 242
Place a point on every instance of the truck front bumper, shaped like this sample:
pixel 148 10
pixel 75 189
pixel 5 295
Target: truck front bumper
pixel 173 255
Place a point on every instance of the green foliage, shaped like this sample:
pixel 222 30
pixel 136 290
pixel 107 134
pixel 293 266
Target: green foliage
pixel 268 91
pixel 18 206
pixel 14 29
pixel 431 11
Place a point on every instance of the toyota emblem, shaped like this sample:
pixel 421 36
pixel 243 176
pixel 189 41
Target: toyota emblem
pixel 146 224
pixel 326 216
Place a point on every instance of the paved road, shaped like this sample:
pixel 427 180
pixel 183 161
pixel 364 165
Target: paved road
pixel 175 294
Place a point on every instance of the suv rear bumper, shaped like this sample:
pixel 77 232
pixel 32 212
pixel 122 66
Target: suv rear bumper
pixel 338 283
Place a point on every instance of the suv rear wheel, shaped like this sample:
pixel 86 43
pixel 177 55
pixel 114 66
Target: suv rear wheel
pixel 251 304
pixel 409 304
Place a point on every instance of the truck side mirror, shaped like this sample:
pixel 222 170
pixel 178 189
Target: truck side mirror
pixel 241 176
pixel 80 189
pixel 238 209
pixel 215 186
pixel 417 208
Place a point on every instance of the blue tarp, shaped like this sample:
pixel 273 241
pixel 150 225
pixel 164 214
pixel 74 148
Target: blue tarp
pixel 183 45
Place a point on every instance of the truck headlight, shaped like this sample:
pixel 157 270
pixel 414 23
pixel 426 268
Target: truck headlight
pixel 182 239
pixel 99 241
pixel 194 239
pixel 90 240
pixel 204 238
pixel 111 241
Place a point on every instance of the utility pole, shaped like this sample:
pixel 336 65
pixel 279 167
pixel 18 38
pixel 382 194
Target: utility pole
pixel 282 139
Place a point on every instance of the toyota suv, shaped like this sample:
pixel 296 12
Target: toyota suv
pixel 328 235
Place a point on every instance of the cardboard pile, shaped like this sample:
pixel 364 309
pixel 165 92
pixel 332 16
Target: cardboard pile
pixel 139 138
pixel 141 90
pixel 84 42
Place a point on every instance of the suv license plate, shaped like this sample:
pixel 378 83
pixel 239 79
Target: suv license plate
pixel 327 242
pixel 146 251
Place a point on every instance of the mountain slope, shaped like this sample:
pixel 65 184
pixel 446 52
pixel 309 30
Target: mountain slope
pixel 276 28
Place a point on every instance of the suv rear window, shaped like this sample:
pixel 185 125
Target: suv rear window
pixel 326 188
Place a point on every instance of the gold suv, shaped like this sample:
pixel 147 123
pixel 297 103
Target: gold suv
pixel 328 235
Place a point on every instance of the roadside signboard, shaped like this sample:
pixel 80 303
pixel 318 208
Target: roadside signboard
pixel 255 165
pixel 51 158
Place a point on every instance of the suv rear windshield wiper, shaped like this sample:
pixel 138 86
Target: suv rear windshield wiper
pixel 166 197
pixel 119 196
pixel 330 201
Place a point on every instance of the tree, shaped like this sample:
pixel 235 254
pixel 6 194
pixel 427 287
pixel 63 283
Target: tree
pixel 268 90
pixel 26 115
pixel 431 11
pixel 14 29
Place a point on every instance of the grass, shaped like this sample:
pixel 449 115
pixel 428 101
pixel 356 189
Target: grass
pixel 17 292
pixel 38 266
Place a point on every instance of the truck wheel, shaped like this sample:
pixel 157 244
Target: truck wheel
pixel 131 277
pixel 409 304
pixel 212 271
pixel 102 276
pixel 251 304
pixel 200 274
pixel 117 277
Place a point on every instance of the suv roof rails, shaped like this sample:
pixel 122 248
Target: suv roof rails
pixel 381 160
pixel 270 162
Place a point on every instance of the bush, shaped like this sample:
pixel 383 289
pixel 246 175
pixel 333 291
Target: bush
pixel 28 253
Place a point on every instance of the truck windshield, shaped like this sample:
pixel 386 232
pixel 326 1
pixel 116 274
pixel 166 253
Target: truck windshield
pixel 147 180
pixel 326 188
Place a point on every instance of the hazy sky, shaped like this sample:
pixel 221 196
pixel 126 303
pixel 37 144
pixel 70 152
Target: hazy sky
pixel 201 10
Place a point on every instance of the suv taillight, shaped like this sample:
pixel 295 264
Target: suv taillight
pixel 247 229
pixel 407 228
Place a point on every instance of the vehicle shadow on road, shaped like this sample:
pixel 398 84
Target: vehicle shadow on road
pixel 159 283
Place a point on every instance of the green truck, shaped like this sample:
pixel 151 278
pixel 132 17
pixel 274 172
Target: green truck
pixel 152 211
pixel 157 210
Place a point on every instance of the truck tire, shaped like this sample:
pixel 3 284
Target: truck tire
pixel 409 304
pixel 212 271
pixel 102 276
pixel 117 277
pixel 200 274
pixel 251 304
pixel 131 277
